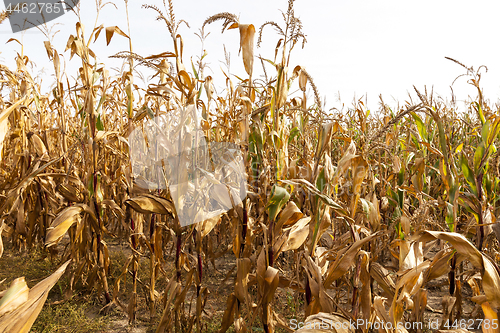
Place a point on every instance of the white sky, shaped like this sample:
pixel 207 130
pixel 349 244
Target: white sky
pixel 355 48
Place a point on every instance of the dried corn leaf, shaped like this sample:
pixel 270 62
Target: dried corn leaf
pixel 490 323
pixel 4 116
pixel 64 221
pixel 491 278
pixel 247 36
pixel 151 204
pixel 206 226
pixel 110 32
pixel 344 162
pixel 297 234
pixel 344 262
pixel 22 318
pixel 289 215
pixel 15 296
pixel 1 240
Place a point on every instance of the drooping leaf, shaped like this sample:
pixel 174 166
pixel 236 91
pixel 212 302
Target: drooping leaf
pixel 111 30
pixel 247 36
pixel 491 278
pixel 326 199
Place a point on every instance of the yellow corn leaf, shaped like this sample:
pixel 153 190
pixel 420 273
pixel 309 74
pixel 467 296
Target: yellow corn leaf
pixel 151 204
pixel 359 170
pixel 22 318
pixel 491 279
pixel 490 323
pixel 186 80
pixel 110 32
pixel 4 116
pixel 298 234
pixel 345 261
pixel 374 215
pixel 70 193
pixel 241 285
pixel 15 296
pixel 38 144
pixel 289 215
pixel 64 221
pixel 344 162
pixel 247 35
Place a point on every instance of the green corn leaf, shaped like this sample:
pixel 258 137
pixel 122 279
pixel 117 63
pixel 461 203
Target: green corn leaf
pixel 99 124
pixel 449 217
pixel 485 131
pixel 194 70
pixel 421 127
pixel 279 197
pixel 321 180
pixel 495 130
pixel 478 156
pixel 480 112
pixel 468 174
pixel 293 133
pixel 401 194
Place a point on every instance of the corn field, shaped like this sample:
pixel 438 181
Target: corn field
pixel 353 214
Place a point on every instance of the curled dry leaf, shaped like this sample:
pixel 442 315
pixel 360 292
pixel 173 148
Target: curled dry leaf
pixel 151 204
pixel 70 193
pixel 297 234
pixel 64 221
pixel 289 216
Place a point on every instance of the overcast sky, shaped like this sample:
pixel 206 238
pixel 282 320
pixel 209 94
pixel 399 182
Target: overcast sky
pixel 355 48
